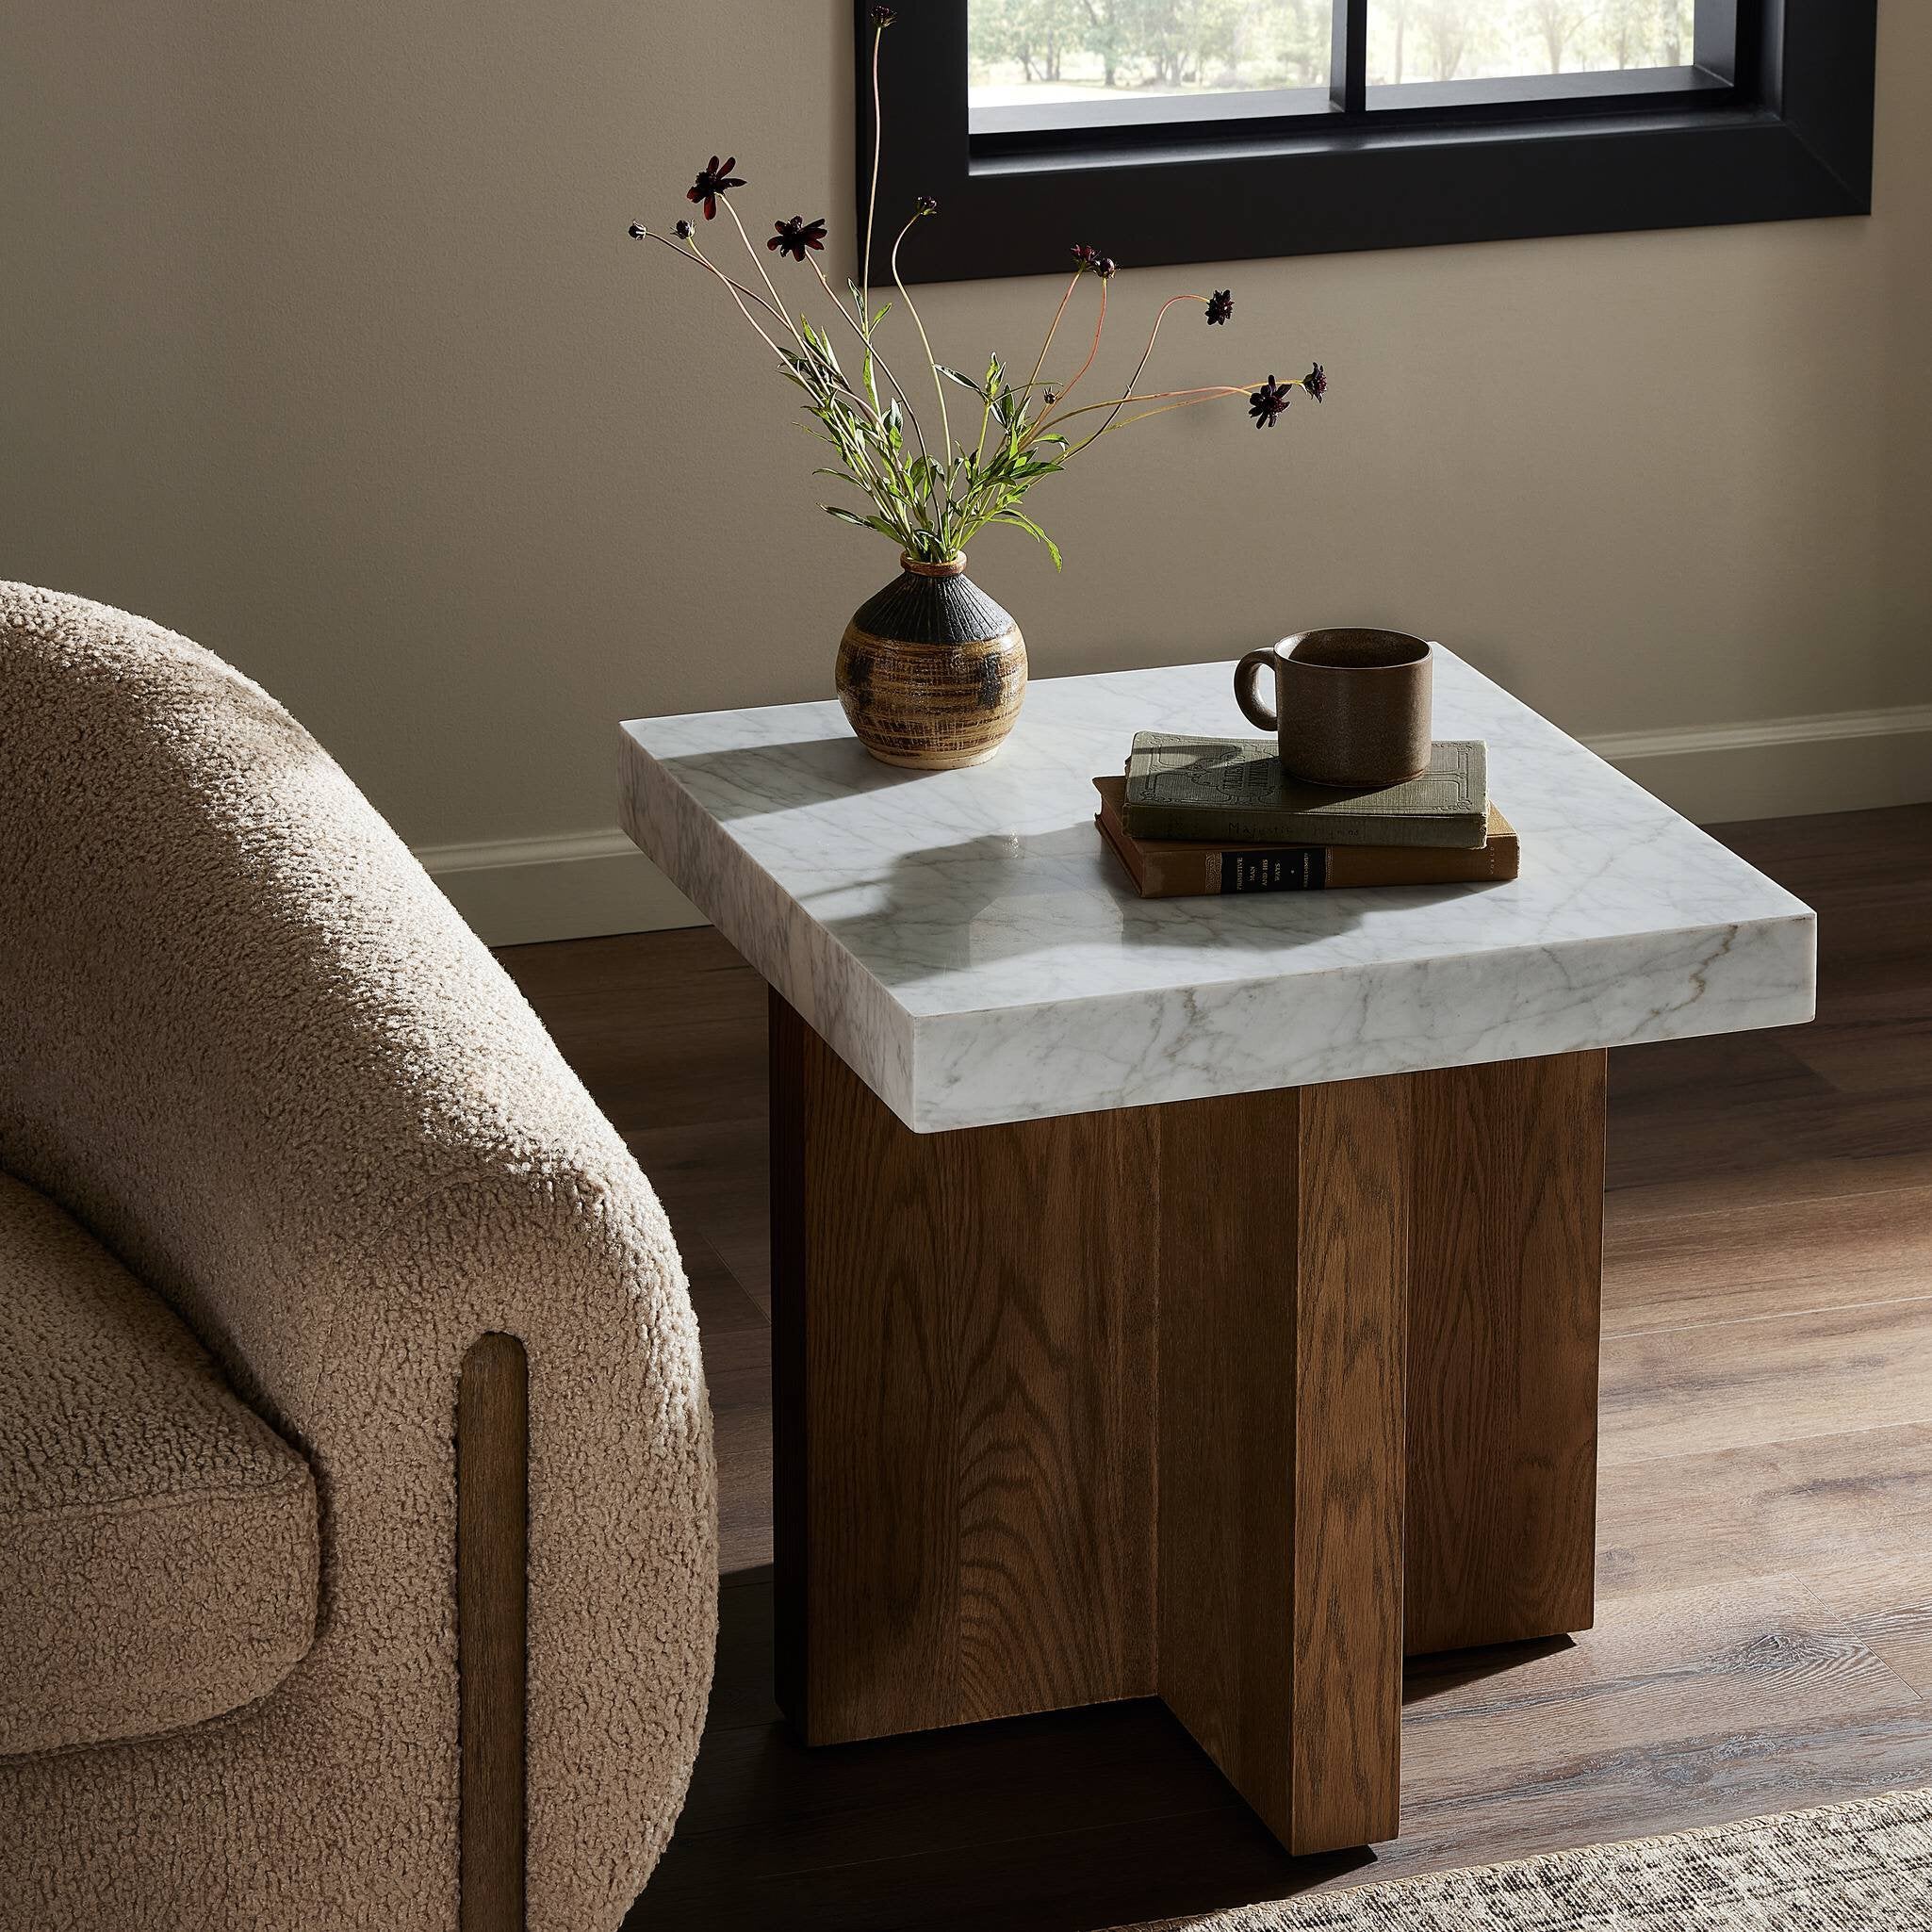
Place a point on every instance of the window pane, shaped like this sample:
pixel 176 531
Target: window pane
pixel 1411 40
pixel 1035 52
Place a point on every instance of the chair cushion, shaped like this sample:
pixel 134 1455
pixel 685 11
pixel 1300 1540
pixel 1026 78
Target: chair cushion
pixel 158 1540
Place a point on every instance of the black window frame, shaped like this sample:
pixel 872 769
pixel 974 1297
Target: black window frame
pixel 1773 122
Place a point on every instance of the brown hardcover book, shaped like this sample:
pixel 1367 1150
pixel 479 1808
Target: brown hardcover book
pixel 1189 868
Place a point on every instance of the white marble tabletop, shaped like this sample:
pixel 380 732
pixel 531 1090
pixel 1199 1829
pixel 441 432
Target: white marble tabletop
pixel 965 943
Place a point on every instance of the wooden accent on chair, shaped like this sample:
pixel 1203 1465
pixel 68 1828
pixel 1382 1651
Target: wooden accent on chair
pixel 1282 1270
pixel 963 1366
pixel 492 1571
pixel 1504 1311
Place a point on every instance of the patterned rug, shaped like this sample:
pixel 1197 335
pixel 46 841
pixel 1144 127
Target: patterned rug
pixel 1865 1867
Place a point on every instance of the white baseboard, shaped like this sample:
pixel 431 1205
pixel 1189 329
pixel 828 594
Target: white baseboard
pixel 1782 767
pixel 580 884
pixel 577 886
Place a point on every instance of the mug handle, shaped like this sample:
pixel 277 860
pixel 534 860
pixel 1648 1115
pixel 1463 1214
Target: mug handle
pixel 1245 674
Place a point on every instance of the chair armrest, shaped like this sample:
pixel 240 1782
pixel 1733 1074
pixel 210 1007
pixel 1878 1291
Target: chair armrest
pixel 622 1525
pixel 245 1039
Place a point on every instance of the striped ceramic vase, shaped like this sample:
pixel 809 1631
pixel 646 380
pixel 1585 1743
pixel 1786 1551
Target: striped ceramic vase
pixel 931 671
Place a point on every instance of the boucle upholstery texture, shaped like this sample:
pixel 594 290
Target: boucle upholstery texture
pixel 157 1542
pixel 250 1047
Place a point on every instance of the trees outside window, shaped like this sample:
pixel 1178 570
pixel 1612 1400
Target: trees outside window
pixel 1069 50
pixel 1217 130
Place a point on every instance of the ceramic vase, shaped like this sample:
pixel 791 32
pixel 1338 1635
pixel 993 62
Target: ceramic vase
pixel 931 671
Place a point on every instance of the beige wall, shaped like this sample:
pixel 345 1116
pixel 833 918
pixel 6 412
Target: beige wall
pixel 320 339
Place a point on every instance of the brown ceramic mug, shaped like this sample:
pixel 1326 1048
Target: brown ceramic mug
pixel 1351 707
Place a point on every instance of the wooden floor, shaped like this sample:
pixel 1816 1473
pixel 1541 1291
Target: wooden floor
pixel 1764 1631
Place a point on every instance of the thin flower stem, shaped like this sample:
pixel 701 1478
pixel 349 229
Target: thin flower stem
pixel 938 382
pixel 743 295
pixel 870 469
pixel 740 294
pixel 756 259
pixel 1098 323
pixel 752 319
pixel 911 415
pixel 1209 389
pixel 1040 361
pixel 1154 335
pixel 1188 402
pixel 689 252
pixel 878 141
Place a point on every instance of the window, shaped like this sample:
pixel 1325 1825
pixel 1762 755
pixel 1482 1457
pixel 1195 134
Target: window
pixel 1207 130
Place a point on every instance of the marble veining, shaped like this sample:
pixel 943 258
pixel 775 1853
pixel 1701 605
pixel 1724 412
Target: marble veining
pixel 963 939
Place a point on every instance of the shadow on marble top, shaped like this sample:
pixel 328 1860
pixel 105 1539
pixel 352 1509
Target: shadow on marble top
pixel 965 939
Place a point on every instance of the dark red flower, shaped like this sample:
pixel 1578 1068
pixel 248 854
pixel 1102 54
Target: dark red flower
pixel 1105 267
pixel 1086 257
pixel 883 16
pixel 711 182
pixel 1221 306
pixel 926 206
pixel 683 230
pixel 1268 401
pixel 1316 382
pixel 638 231
pixel 796 236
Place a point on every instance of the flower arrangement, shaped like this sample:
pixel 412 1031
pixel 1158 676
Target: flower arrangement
pixel 931 494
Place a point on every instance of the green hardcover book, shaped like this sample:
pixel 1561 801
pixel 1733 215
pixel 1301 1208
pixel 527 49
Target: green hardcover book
pixel 1235 790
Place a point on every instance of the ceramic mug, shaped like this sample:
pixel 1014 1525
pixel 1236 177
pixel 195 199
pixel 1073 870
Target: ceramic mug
pixel 1351 707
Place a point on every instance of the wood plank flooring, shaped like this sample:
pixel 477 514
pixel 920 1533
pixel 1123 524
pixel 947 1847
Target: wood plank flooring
pixel 1764 1570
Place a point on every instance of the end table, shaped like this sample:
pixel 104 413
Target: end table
pixel 1193 1298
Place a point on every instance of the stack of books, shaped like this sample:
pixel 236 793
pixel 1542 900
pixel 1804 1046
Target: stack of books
pixel 1206 815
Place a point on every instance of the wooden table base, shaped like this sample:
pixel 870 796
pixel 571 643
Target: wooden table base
pixel 1113 1406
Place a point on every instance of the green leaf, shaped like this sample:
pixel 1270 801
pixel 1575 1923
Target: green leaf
pixel 953 375
pixel 1032 530
pixel 878 523
pixel 821 346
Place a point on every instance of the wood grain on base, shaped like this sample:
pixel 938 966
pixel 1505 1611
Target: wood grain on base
pixel 1283 1297
pixel 1228 1416
pixel 962 1389
pixel 968 1332
pixel 492 1569
pixel 1504 1305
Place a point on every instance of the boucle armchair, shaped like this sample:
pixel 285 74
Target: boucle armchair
pixel 293 1174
